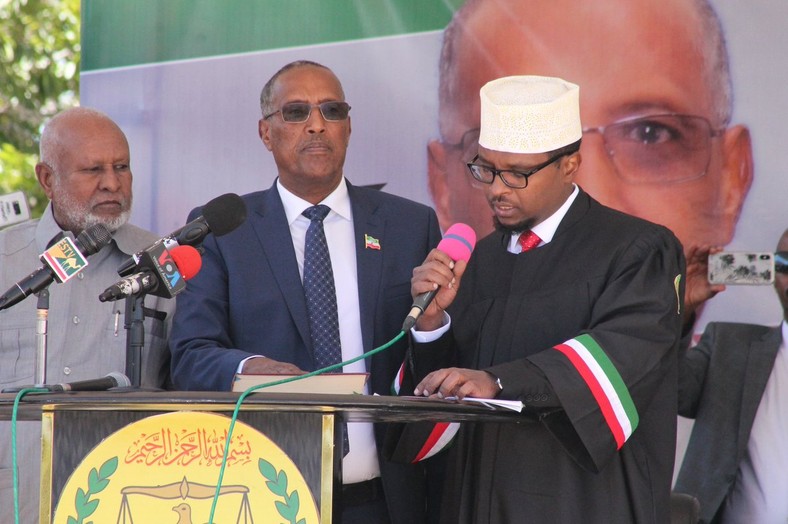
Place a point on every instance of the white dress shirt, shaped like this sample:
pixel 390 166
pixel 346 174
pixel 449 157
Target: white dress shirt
pixel 760 491
pixel 361 463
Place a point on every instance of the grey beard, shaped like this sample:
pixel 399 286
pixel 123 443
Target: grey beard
pixel 79 217
pixel 113 224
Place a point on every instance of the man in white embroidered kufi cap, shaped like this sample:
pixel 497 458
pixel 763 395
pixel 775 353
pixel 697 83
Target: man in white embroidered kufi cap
pixel 529 114
pixel 528 124
pixel 571 308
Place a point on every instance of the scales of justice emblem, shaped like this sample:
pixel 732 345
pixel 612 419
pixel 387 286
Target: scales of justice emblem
pixel 165 469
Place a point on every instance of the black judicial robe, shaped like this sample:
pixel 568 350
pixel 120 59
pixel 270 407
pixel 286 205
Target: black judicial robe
pixel 585 331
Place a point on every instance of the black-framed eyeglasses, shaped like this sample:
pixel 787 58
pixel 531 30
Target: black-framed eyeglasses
pixel 662 148
pixel 299 112
pixel 513 178
pixel 781 262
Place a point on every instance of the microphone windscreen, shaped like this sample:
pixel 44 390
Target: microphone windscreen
pixel 122 380
pixel 188 260
pixel 91 240
pixel 458 241
pixel 224 213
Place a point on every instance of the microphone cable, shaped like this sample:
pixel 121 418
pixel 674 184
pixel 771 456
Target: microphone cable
pixel 14 459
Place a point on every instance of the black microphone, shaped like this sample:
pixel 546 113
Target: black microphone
pixel 458 243
pixel 219 216
pixel 113 380
pixel 62 261
pixel 184 262
pixel 155 266
pixel 142 282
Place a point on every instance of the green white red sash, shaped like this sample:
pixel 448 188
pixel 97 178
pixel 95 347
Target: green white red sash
pixel 605 383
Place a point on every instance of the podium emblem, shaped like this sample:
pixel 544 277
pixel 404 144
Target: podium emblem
pixel 165 469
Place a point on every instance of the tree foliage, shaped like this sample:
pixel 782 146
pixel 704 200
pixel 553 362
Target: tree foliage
pixel 39 76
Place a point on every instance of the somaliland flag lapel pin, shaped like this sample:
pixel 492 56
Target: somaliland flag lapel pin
pixel 371 242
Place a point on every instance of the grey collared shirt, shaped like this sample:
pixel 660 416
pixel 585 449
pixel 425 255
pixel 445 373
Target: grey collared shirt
pixel 85 338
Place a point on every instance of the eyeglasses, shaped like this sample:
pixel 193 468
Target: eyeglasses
pixel 781 262
pixel 656 149
pixel 664 148
pixel 299 112
pixel 468 144
pixel 512 178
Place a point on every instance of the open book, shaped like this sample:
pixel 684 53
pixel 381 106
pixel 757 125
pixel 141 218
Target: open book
pixel 334 383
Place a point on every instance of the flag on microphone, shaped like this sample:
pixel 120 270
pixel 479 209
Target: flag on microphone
pixel 65 259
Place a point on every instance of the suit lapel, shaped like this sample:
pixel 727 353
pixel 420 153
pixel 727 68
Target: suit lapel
pixel 367 224
pixel 760 361
pixel 273 232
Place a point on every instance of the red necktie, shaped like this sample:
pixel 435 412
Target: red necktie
pixel 529 240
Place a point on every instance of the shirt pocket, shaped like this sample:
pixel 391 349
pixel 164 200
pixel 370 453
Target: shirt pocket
pixel 17 354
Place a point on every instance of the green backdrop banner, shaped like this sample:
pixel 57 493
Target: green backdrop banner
pixel 182 29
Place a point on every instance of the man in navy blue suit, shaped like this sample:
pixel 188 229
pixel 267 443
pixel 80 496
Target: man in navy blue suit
pixel 246 311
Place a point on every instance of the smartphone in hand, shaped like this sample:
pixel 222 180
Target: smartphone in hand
pixel 741 268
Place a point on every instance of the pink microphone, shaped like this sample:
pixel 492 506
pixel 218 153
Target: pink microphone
pixel 458 242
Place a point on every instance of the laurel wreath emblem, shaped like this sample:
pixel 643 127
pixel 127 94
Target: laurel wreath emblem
pixel 98 480
pixel 276 481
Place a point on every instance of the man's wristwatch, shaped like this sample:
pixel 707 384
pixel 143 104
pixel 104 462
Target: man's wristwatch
pixel 497 381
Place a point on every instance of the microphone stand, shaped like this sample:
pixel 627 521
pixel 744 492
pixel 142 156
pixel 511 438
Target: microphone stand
pixel 135 337
pixel 42 316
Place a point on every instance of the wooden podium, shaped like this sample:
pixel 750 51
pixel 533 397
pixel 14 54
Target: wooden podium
pixel 304 427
